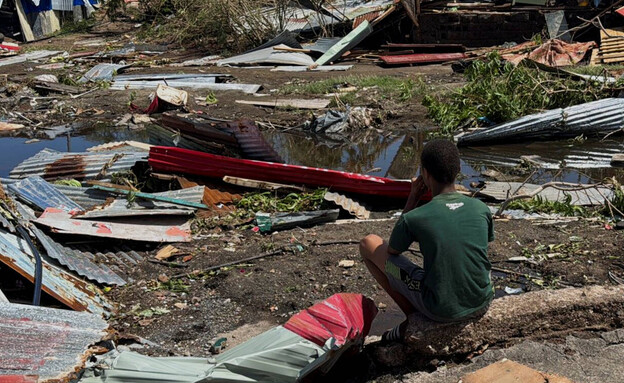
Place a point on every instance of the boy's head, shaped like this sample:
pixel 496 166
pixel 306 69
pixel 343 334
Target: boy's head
pixel 440 159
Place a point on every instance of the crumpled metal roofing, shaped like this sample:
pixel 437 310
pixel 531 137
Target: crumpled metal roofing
pixel 85 264
pixel 73 292
pixel 51 164
pixel 600 116
pixel 268 56
pixel 29 56
pixel 104 71
pixel 36 191
pixel 50 343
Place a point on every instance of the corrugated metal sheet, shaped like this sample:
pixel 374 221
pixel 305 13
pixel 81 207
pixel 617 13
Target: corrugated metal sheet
pixel 52 165
pixel 322 68
pixel 30 56
pixel 421 58
pixel 590 118
pixel 61 222
pixel 85 264
pixel 370 16
pixel 208 77
pixel 500 191
pixel 73 292
pixel 348 204
pixel 342 317
pixel 251 141
pixel 47 342
pixel 348 42
pixel 142 207
pixel 102 72
pixel 268 56
pixel 194 84
pixel 323 44
pixel 37 192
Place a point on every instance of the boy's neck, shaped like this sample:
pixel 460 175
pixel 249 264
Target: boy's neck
pixel 438 189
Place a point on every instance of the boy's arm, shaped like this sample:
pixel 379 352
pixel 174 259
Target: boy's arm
pixel 401 237
pixel 418 190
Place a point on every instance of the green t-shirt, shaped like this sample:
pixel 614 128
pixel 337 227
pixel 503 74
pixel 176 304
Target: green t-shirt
pixel 453 231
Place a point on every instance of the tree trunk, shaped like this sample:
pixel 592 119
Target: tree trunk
pixel 539 314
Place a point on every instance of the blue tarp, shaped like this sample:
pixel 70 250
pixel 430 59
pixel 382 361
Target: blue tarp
pixel 30 7
pixel 81 2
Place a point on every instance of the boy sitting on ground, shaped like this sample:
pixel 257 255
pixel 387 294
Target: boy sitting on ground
pixel 453 231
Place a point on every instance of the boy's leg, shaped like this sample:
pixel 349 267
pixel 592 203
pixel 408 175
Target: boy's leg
pixel 374 251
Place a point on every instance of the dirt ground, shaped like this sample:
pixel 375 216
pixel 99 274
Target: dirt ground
pixel 246 299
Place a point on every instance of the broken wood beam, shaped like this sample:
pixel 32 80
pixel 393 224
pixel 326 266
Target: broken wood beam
pixel 263 185
pixel 533 315
pixel 617 160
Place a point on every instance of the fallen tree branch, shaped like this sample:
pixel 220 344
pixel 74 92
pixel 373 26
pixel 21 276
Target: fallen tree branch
pixel 538 315
pixel 233 263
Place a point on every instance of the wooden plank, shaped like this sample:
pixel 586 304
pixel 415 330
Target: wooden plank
pixel 24 24
pixel 613 55
pixel 61 222
pixel 614 60
pixel 285 103
pixel 263 185
pixel 594 60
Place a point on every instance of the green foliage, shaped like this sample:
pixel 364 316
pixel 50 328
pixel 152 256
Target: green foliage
pixel 114 8
pixel 540 205
pixel 391 87
pixel 77 27
pixel 173 285
pixel 502 92
pixel 616 202
pixel 68 182
pixel 269 203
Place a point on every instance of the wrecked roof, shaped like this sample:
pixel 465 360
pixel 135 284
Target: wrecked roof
pixel 86 264
pixel 46 342
pixel 73 292
pixel 51 164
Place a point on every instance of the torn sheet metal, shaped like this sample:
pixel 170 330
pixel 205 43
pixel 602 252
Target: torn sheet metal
pixel 315 103
pixel 194 84
pixel 37 192
pixel 348 204
pixel 252 143
pixel 30 56
pixel 165 136
pixel 53 165
pixel 83 263
pixel 50 343
pixel 268 56
pixel 348 42
pixel 500 191
pixel 588 119
pixel 102 72
pixel 322 45
pixel 322 68
pixel 555 53
pixel 120 145
pixel 342 317
pixel 285 38
pixel 71 291
pixel 421 58
pixel 314 341
pixel 61 222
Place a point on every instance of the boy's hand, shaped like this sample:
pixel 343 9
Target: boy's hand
pixel 418 188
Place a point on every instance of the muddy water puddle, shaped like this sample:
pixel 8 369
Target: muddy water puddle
pixel 391 155
pixel 398 156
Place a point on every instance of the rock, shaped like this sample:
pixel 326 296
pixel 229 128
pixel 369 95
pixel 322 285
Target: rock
pixel 163 278
pixel 346 263
pixel 509 371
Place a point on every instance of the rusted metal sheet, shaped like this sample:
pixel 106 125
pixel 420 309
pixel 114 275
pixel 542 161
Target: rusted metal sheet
pixel 348 204
pixel 49 343
pixel 251 141
pixel 120 145
pixel 366 17
pixel 83 263
pixel 71 291
pixel 198 130
pixel 421 58
pixel 52 165
pixel 37 192
pixel 427 47
pixel 61 222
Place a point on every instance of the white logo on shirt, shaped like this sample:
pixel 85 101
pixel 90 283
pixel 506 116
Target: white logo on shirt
pixel 454 206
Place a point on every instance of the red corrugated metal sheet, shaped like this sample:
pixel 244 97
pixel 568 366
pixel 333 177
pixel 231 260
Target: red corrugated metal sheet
pixel 370 16
pixel 178 160
pixel 422 58
pixel 344 317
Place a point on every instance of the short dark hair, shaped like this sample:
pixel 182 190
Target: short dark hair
pixel 441 159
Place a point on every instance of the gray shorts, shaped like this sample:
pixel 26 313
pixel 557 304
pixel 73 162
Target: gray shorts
pixel 405 277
